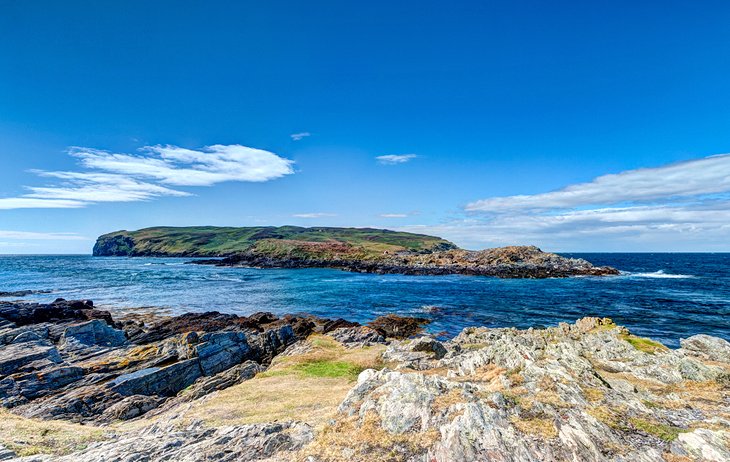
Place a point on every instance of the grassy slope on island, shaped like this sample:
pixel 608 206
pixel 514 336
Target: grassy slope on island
pixel 210 241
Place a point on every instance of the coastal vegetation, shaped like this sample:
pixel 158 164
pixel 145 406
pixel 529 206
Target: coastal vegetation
pixel 364 250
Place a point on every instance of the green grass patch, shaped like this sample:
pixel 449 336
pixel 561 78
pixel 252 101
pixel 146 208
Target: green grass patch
pixel 644 344
pixel 330 369
pixel 664 432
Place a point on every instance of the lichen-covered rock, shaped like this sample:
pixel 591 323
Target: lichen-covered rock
pixel 271 442
pixel 589 391
pixel 707 347
pixel 131 407
pixel 357 336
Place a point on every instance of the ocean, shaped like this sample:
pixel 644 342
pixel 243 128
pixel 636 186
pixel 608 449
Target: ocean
pixel 663 296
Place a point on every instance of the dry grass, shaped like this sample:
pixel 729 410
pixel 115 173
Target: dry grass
pixel 307 387
pixel 538 426
pixel 30 436
pixel 350 440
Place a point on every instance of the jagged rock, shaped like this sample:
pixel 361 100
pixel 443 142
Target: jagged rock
pixel 357 336
pixel 18 388
pixel 429 345
pixel 131 407
pixel 59 311
pixel 91 333
pixel 537 395
pixel 233 376
pixel 6 454
pixel 394 326
pixel 339 323
pixel 16 355
pixel 270 442
pixel 707 347
pixel 165 381
pixel 221 350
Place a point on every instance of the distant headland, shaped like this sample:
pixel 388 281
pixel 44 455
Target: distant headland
pixel 365 250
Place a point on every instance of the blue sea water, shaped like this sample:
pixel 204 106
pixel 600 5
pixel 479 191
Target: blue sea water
pixel 663 296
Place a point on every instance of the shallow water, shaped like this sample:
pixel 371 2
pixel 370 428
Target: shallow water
pixel 663 296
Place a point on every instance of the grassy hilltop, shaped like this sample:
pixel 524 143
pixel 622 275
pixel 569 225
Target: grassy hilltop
pixel 211 241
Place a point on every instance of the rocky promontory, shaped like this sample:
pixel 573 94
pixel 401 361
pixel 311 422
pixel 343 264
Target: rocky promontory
pixel 79 385
pixel 352 249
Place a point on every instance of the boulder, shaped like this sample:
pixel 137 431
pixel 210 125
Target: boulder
pixel 429 345
pixel 131 407
pixel 357 336
pixel 16 355
pixel 400 327
pixel 219 351
pixel 91 333
pixel 164 381
pixel 707 347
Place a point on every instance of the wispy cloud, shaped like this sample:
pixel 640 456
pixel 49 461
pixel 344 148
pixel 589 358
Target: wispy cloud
pixel 705 176
pixel 394 159
pixel 29 235
pixel 300 136
pixel 682 206
pixel 314 215
pixel 187 167
pixel 398 215
pixel 118 177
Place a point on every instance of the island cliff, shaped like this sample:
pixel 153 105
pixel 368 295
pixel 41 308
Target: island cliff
pixel 352 249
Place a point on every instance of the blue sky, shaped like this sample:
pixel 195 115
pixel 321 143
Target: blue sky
pixel 571 125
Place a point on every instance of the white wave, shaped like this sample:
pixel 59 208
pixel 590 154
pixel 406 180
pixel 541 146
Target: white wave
pixel 660 275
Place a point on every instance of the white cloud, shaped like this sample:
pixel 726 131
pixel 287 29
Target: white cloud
pixel 680 207
pixel 299 136
pixel 9 203
pixel 114 177
pixel 709 175
pixel 400 215
pixel 393 159
pixel 29 235
pixel 314 215
pixel 99 187
pixel 187 167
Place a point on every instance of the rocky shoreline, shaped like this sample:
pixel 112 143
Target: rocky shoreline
pixel 212 386
pixel 505 262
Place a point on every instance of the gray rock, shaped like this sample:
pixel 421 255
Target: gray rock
pixel 429 345
pixel 131 407
pixel 165 381
pixel 91 333
pixel 6 454
pixel 577 392
pixel 357 336
pixel 235 375
pixel 219 351
pixel 18 388
pixel 17 355
pixel 165 442
pixel 707 347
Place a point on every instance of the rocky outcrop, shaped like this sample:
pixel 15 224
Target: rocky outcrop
pixel 68 360
pixel 503 262
pixel 164 441
pixel 584 392
pixel 589 391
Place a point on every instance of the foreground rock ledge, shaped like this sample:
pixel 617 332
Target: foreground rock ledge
pixel 588 391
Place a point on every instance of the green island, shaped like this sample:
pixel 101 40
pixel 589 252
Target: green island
pixel 365 250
